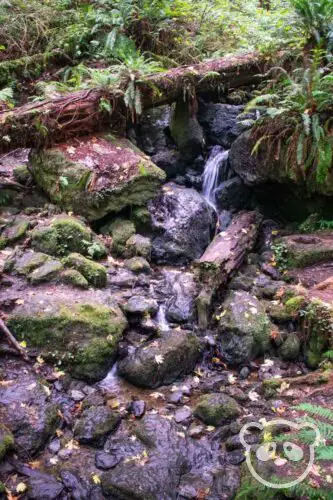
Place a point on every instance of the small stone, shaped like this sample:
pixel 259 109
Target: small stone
pixel 105 460
pixel 138 408
pixel 244 373
pixel 217 409
pixel 65 454
pixel 46 272
pixel 95 424
pixel 196 431
pixel 77 395
pixel 183 414
pixel 138 305
pixel 175 397
pixel 138 265
pixel 235 457
pixel 54 446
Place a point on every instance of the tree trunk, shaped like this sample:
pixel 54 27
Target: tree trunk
pixel 80 112
pixel 223 257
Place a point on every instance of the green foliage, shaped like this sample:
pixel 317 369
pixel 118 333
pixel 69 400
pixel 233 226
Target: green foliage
pixel 281 256
pixel 318 411
pixel 317 19
pixel 7 97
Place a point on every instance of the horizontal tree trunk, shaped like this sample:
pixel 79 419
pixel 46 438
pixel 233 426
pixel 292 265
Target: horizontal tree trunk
pixel 223 257
pixel 81 112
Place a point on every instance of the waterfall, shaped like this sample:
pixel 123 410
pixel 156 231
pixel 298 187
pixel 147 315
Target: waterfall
pixel 216 170
pixel 162 322
pixel 111 381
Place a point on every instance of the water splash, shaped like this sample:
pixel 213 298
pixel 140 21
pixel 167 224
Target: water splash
pixel 216 170
pixel 111 381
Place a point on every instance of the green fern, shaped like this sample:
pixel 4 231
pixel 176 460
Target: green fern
pixel 324 453
pixel 318 411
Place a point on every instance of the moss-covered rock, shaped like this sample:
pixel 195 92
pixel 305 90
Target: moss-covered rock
pixel 6 441
pixel 26 262
pixel 74 278
pixel 244 327
pixel 78 333
pixel 304 250
pixel 290 348
pixel 62 235
pixel 14 231
pixel 93 177
pixel 142 219
pixel 95 425
pixel 94 273
pixel 186 130
pixel 47 272
pixel 121 230
pixel 217 409
pixel 138 265
pixel 295 304
pixel 138 245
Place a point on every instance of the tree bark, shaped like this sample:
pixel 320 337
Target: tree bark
pixel 80 112
pixel 223 257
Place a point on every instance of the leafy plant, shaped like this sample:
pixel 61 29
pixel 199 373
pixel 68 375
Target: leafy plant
pixel 317 19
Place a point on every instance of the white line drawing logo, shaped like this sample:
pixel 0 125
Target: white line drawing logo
pixel 266 451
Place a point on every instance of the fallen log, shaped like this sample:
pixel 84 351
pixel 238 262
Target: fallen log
pixel 81 112
pixel 12 341
pixel 223 258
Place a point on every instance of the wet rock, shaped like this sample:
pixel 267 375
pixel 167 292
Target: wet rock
pixel 306 249
pixel 175 397
pixel 137 408
pixel 77 395
pixel 77 330
pixel 217 409
pixel 93 272
pixel 138 245
pixel 290 348
pixel 106 461
pixel 77 488
pixel 244 328
pixel 219 122
pixel 95 424
pixel 193 483
pixel 117 173
pixel 63 234
pixel 227 481
pixel 152 131
pixel 54 446
pixel 183 222
pixel 14 231
pixel 233 195
pixel 235 457
pixel 171 161
pixel 271 271
pixel 196 431
pixel 138 265
pixel 183 290
pixel 65 454
pixel 47 272
pixel 44 486
pixel 121 230
pixel 186 131
pixel 244 373
pixel 141 306
pixel 28 414
pixel 183 414
pixel 162 361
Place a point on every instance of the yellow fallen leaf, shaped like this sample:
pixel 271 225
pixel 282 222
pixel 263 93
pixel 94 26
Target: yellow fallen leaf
pixel 23 343
pixel 40 360
pixel 96 479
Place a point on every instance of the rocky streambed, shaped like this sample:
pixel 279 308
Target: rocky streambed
pixel 148 355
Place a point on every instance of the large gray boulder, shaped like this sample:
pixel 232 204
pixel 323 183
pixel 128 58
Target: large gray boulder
pixel 182 291
pixel 186 130
pixel 183 223
pixel 162 361
pixel 244 328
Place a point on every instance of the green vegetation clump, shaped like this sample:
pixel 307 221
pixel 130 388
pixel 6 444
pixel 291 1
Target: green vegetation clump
pixel 93 272
pixel 121 230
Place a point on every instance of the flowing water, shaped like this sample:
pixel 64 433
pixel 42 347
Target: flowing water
pixel 216 171
pixel 162 322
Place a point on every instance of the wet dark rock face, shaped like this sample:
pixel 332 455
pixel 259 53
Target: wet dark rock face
pixel 183 223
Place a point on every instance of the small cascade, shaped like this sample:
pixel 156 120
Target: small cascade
pixel 111 381
pixel 216 171
pixel 162 322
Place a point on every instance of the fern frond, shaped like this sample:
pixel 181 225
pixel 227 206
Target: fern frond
pixel 324 453
pixel 319 411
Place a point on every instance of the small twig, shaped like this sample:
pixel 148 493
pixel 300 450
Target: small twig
pixel 11 339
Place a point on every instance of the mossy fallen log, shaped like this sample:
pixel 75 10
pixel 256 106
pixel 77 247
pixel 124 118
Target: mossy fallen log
pixel 83 112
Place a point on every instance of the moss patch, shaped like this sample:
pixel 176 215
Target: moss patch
pixel 14 231
pixel 94 273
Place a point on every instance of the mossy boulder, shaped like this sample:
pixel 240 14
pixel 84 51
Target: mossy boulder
pixel 138 265
pixel 162 361
pixel 6 441
pixel 290 348
pixel 186 130
pixel 295 304
pixel 95 424
pixel 217 409
pixel 21 174
pixel 244 327
pixel 96 176
pixel 26 262
pixel 121 230
pixel 74 278
pixel 63 234
pixel 72 330
pixel 304 250
pixel 47 272
pixel 138 245
pixel 93 272
pixel 14 231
